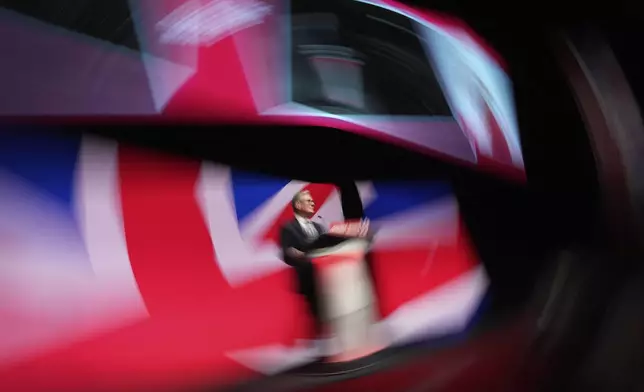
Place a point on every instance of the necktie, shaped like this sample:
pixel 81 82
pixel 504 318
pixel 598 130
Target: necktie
pixel 310 229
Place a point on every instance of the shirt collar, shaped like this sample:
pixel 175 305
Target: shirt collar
pixel 302 220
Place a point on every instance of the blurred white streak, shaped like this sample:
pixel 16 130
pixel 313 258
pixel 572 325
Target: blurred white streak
pixel 239 261
pixel 258 221
pixel 210 21
pixel 470 79
pixel 331 210
pixel 446 309
pixel 367 193
pixel 274 359
pixel 53 290
pixel 100 218
pixel 167 67
pixel 424 225
pixel 165 78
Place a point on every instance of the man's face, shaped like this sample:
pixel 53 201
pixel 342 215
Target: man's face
pixel 306 205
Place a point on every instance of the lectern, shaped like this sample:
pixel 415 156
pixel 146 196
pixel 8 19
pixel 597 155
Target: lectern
pixel 346 294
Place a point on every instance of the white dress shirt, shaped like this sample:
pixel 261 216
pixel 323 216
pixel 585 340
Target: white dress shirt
pixel 308 226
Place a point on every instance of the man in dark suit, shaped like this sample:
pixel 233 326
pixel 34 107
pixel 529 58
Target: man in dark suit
pixel 296 237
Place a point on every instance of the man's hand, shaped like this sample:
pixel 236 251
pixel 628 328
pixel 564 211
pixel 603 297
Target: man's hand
pixel 352 229
pixel 364 228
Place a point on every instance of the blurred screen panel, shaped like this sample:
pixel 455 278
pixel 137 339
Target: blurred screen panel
pixel 377 68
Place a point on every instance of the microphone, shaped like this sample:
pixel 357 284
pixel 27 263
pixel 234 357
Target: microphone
pixel 324 222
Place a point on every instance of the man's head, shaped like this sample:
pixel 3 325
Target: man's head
pixel 303 204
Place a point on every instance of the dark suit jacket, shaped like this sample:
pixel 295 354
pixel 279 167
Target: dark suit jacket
pixel 293 236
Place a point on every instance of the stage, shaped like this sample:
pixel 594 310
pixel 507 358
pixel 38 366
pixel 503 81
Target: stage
pixel 491 359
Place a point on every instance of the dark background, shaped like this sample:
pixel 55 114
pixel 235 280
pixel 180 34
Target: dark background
pixel 108 20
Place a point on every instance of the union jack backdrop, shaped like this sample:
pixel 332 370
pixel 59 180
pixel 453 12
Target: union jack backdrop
pixel 122 267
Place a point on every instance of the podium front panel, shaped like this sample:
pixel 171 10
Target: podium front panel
pixel 345 285
pixel 346 296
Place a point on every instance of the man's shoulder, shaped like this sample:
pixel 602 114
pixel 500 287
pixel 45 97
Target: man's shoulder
pixel 288 224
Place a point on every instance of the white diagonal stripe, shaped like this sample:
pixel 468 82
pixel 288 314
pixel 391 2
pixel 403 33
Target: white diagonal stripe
pixel 258 222
pixel 58 286
pixel 428 223
pixel 238 262
pixel 440 311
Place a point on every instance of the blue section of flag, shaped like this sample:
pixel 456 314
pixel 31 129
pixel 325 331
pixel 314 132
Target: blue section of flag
pixel 45 159
pixel 252 190
pixel 395 197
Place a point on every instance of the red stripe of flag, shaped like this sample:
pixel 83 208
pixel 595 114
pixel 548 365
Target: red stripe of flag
pixel 168 241
pixel 401 275
pixel 219 88
pixel 500 148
